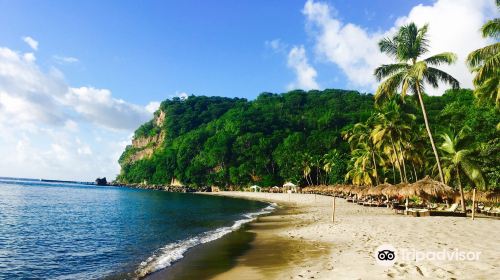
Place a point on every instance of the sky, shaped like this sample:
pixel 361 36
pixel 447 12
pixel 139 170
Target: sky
pixel 78 77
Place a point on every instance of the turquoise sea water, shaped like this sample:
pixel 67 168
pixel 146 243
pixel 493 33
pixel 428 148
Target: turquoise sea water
pixel 71 231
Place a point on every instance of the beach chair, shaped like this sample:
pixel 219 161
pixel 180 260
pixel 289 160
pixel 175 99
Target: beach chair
pixel 494 211
pixel 451 211
pixel 485 210
pixel 399 209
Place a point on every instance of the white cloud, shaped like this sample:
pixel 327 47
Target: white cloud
pixel 153 106
pixel 99 107
pixel 65 59
pixel 305 73
pixel 52 130
pixel 453 26
pixel 277 45
pixel 31 42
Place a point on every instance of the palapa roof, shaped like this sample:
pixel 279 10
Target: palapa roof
pixel 377 190
pixel 358 190
pixel 483 196
pixel 430 187
pixel 393 190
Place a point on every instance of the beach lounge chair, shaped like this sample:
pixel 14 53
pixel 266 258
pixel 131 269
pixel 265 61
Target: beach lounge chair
pixel 451 211
pixel 399 209
pixel 494 211
pixel 485 210
pixel 416 212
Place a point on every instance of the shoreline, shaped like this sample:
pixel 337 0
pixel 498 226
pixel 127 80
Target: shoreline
pixel 350 243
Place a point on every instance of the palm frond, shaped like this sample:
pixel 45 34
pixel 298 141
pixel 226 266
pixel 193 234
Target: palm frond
pixel 489 91
pixel 491 28
pixel 441 76
pixel 473 172
pixel 388 46
pixel 442 58
pixel 477 57
pixel 388 87
pixel 490 68
pixel 422 41
pixel 389 69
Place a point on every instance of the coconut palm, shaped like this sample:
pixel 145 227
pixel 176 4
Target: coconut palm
pixel 391 129
pixel 360 134
pixel 409 74
pixel 329 161
pixel 306 165
pixel 360 172
pixel 458 159
pixel 485 63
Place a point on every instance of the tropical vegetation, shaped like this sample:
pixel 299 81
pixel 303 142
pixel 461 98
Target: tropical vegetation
pixel 337 136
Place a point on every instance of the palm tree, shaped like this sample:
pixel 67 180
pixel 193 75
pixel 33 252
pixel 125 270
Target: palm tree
pixel 391 129
pixel 485 62
pixel 409 73
pixel 306 165
pixel 361 134
pixel 329 161
pixel 359 173
pixel 459 159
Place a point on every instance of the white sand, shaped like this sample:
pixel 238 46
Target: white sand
pixel 358 231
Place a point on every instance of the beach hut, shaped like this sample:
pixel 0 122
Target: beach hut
pixel 255 188
pixel 290 187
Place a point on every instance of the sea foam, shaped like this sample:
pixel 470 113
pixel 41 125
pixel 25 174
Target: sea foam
pixel 167 255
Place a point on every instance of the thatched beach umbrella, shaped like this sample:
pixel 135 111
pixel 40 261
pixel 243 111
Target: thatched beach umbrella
pixel 358 190
pixel 493 197
pixel 377 190
pixel 483 196
pixel 431 188
pixel 393 190
pixel 410 190
pixel 345 189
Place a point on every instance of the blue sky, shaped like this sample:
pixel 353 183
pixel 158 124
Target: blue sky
pixel 147 50
pixel 77 77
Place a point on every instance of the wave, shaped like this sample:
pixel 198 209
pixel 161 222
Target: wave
pixel 167 255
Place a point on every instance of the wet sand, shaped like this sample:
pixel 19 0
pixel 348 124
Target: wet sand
pixel 256 251
pixel 303 243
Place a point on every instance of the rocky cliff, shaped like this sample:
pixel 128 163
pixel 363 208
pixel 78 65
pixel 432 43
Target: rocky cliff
pixel 143 146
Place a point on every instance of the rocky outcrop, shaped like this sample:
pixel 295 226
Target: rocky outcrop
pixel 101 181
pixel 160 119
pixel 145 146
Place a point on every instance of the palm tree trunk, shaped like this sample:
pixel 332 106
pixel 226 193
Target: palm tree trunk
pixel 393 171
pixel 462 200
pixel 397 161
pixel 414 171
pixel 424 113
pixel 403 161
pixel 375 167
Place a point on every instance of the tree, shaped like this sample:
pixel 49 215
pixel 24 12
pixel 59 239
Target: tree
pixel 391 129
pixel 458 159
pixel 409 73
pixel 485 63
pixel 360 134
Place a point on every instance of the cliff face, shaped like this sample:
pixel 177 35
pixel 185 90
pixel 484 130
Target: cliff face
pixel 144 146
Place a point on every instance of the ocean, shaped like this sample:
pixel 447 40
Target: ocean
pixel 73 231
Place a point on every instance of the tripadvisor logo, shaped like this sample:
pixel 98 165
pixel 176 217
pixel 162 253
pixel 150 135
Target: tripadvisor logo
pixel 385 255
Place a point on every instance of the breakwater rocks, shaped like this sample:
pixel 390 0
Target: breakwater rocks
pixel 179 189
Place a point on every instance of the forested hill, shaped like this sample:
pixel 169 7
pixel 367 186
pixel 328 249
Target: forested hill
pixel 275 138
pixel 222 141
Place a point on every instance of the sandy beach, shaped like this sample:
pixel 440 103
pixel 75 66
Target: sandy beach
pixel 300 241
